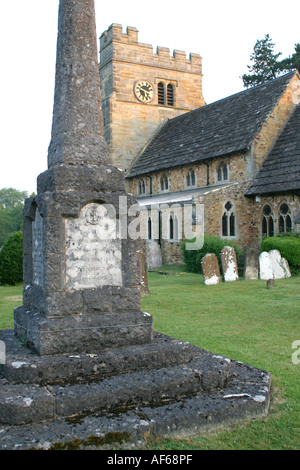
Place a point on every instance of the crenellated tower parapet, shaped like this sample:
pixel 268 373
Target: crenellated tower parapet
pixel 138 51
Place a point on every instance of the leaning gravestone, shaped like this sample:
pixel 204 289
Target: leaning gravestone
pixel 82 349
pixel 229 264
pixel 210 269
pixel 265 266
pixel 251 264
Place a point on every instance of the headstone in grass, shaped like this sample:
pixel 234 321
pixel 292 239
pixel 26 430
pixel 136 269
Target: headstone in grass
pixel 210 269
pixel 280 265
pixel 265 266
pixel 251 264
pixel 153 255
pixel 229 264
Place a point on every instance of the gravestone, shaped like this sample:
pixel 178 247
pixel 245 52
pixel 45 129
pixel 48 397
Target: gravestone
pixel 279 265
pixel 265 266
pixel 229 264
pixel 286 267
pixel 251 264
pixel 210 269
pixel 273 266
pixel 153 255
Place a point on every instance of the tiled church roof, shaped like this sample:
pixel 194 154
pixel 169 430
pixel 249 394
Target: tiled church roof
pixel 280 171
pixel 221 128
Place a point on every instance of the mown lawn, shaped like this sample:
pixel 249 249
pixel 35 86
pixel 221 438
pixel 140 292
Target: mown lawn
pixel 243 321
pixel 240 320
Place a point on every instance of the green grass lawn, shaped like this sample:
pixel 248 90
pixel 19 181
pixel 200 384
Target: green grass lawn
pixel 240 320
pixel 243 321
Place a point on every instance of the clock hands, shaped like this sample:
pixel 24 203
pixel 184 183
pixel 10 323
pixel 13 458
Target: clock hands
pixel 144 91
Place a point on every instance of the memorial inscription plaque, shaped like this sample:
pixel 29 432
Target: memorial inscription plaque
pixel 93 248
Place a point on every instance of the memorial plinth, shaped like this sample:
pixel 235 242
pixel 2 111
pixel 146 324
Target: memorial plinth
pixel 81 269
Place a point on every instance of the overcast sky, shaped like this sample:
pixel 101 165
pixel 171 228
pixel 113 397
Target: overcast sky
pixel 222 32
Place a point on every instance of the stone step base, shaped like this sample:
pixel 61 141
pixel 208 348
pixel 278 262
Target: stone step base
pixel 24 366
pixel 246 396
pixel 166 388
pixel 22 403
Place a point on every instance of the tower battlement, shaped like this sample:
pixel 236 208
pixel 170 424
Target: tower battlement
pixel 114 35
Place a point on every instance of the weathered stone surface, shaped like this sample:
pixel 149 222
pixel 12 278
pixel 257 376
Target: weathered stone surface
pixel 81 333
pixel 153 255
pixel 229 264
pixel 143 268
pixel 77 121
pixel 25 404
pixel 251 264
pixel 93 249
pixel 80 177
pixel 286 267
pixel 265 266
pixel 280 267
pixel 210 269
pixel 61 401
pixel 273 266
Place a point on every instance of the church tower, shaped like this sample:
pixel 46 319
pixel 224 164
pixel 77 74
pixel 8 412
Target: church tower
pixel 141 89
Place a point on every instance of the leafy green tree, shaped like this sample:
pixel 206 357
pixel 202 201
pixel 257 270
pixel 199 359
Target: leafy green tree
pixel 11 212
pixel 265 63
pixel 11 260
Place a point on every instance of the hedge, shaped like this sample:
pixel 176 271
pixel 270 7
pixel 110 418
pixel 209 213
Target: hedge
pixel 11 260
pixel 192 258
pixel 288 246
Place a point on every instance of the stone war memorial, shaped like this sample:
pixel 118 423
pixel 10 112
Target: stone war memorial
pixel 82 364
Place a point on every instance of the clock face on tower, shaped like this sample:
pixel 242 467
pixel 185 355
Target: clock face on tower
pixel 144 91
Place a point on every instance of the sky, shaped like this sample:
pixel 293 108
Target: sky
pixel 223 33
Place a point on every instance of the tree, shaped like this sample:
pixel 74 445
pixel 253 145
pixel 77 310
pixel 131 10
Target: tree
pixel 11 260
pixel 11 212
pixel 265 63
pixel 292 62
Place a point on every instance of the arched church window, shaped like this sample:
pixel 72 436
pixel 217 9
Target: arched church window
pixel 267 221
pixel 228 221
pixel 165 94
pixel 170 95
pixel 191 178
pixel 142 187
pixel 222 172
pixel 164 183
pixel 285 219
pixel 161 93
pixel 173 227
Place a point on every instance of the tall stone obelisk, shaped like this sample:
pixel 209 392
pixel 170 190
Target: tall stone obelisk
pixel 81 270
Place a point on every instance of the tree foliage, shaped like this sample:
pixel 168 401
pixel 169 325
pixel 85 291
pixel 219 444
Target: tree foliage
pixel 266 64
pixel 11 260
pixel 11 212
pixel 292 62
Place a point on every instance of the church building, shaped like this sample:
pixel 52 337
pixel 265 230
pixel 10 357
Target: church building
pixel 238 158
